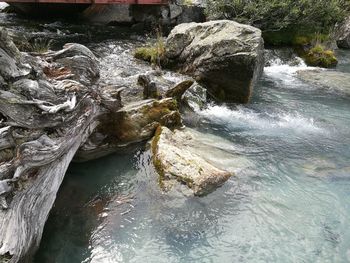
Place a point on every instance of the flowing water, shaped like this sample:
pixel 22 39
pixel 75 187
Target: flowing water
pixel 289 200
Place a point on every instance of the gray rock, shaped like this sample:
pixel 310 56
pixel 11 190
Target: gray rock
pixel 343 34
pixel 150 90
pixel 333 80
pixel 179 89
pixel 191 14
pixel 224 56
pixel 105 14
pixel 175 11
pixel 195 97
pixel 177 158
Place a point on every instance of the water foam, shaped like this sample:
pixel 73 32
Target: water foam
pixel 242 117
pixel 281 71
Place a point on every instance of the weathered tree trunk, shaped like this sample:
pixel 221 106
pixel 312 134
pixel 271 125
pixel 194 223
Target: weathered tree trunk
pixel 50 106
pixel 44 119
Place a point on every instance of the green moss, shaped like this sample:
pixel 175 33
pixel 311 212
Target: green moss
pixel 319 56
pixel 156 161
pixel 187 2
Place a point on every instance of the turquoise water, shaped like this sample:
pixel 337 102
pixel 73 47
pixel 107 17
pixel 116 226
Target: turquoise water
pixel 290 204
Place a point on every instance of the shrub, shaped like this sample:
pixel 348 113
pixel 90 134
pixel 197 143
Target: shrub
pixel 274 15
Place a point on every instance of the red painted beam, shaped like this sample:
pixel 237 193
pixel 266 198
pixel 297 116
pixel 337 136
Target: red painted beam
pixel 137 2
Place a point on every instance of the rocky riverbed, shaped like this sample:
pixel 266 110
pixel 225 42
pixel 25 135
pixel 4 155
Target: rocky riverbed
pixel 54 105
pixel 88 102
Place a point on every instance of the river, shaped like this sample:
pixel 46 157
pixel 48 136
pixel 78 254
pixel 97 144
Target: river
pixel 289 200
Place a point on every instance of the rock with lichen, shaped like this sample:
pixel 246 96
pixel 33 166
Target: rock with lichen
pixel 224 56
pixel 138 121
pixel 342 34
pixel 177 159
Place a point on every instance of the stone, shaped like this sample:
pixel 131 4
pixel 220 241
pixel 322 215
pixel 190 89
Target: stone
pixel 150 90
pixel 343 34
pixel 224 56
pixel 176 159
pixel 138 121
pixel 178 91
pixel 332 80
pixel 195 98
pixel 105 14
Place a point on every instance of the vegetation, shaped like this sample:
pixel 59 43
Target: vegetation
pixel 305 24
pixel 153 53
pixel 319 56
pixel 276 15
pixel 37 45
pixel 294 37
pixel 40 45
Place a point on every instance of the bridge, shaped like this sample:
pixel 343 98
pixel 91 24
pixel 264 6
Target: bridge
pixel 132 2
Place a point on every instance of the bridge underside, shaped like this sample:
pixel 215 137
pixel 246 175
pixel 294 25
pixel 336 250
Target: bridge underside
pixel 130 2
pixel 67 8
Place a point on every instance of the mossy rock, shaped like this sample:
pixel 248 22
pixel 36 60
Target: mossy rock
pixel 318 56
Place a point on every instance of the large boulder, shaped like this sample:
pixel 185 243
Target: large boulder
pixel 224 56
pixel 343 34
pixel 177 158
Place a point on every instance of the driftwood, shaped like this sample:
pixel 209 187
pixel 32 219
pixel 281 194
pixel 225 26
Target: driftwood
pixel 43 122
pixel 51 107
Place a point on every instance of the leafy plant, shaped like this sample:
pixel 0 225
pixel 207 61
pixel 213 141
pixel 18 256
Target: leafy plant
pixel 274 15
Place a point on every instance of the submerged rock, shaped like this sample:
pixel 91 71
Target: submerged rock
pixel 224 56
pixel 175 159
pixel 332 80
